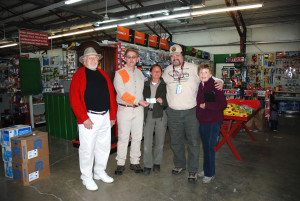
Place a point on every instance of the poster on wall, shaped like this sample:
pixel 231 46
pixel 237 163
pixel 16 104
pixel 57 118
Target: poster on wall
pixel 141 38
pixel 153 42
pixel 164 44
pixel 125 34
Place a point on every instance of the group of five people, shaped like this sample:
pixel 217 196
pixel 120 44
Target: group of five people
pixel 170 99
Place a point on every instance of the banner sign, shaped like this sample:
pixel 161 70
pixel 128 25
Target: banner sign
pixel 235 59
pixel 33 38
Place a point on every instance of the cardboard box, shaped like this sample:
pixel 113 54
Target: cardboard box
pixel 8 169
pixel 9 132
pixel 29 147
pixel 28 173
pixel 6 153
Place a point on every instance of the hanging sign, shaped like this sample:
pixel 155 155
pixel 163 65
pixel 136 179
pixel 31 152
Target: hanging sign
pixel 153 41
pixel 140 38
pixel 125 34
pixel 33 38
pixel 235 59
pixel 164 45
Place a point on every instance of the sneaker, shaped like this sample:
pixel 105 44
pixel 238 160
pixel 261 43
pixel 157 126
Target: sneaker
pixel 207 180
pixel 192 177
pixel 136 168
pixel 147 170
pixel 103 177
pixel 156 168
pixel 178 171
pixel 90 185
pixel 201 174
pixel 119 170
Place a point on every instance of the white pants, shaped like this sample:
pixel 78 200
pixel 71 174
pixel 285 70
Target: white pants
pixel 130 121
pixel 94 144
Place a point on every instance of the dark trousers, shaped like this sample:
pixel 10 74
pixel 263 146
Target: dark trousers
pixel 209 134
pixel 181 122
pixel 273 125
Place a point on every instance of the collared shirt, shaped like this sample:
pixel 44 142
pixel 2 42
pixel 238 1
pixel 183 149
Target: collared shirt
pixel 153 88
pixel 129 86
pixel 189 80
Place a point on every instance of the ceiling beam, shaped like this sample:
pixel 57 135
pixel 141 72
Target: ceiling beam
pixel 147 25
pixel 164 28
pixel 239 24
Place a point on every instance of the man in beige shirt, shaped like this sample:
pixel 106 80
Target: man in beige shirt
pixel 129 84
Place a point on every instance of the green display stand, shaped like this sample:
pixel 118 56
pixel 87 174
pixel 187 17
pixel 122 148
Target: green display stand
pixel 61 121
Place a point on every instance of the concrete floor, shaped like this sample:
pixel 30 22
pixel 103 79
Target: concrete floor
pixel 269 171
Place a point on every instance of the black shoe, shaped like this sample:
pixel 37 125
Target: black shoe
pixel 192 177
pixel 147 170
pixel 177 171
pixel 156 168
pixel 119 170
pixel 136 168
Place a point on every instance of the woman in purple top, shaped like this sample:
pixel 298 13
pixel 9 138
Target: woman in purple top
pixel 210 105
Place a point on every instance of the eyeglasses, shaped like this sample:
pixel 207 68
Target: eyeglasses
pixel 133 57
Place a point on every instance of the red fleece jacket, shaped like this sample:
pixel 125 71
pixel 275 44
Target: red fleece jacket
pixel 76 94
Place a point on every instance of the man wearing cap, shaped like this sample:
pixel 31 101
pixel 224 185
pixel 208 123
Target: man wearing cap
pixel 129 84
pixel 94 104
pixel 182 85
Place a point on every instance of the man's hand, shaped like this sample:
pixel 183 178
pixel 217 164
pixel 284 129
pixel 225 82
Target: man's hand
pixel 219 85
pixel 88 124
pixel 143 103
pixel 159 100
pixel 112 123
pixel 202 105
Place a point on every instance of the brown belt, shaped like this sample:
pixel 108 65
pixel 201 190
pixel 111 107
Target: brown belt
pixel 134 106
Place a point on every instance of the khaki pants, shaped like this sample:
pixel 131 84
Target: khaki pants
pixel 130 121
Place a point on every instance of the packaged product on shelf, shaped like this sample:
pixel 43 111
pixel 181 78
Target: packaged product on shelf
pixel 8 169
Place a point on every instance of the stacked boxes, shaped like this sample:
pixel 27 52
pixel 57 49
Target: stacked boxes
pixel 5 137
pixel 30 157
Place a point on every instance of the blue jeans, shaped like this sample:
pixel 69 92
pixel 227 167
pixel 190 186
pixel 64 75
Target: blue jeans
pixel 209 134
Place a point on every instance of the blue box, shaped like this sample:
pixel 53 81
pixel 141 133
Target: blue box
pixel 6 153
pixel 13 131
pixel 8 169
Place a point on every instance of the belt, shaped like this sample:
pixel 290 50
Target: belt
pixel 95 112
pixel 134 106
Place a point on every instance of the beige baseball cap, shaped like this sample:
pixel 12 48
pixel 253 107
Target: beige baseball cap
pixel 89 52
pixel 175 49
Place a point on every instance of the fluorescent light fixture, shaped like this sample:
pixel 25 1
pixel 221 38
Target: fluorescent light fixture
pixel 71 1
pixel 106 27
pixel 219 10
pixel 9 45
pixel 127 24
pixel 163 18
pixel 187 14
pixel 151 13
pixel 182 8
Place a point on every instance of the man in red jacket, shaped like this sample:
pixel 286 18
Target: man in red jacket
pixel 94 104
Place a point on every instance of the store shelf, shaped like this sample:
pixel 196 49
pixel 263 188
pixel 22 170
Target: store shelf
pixel 282 98
pixel 40 122
pixel 39 103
